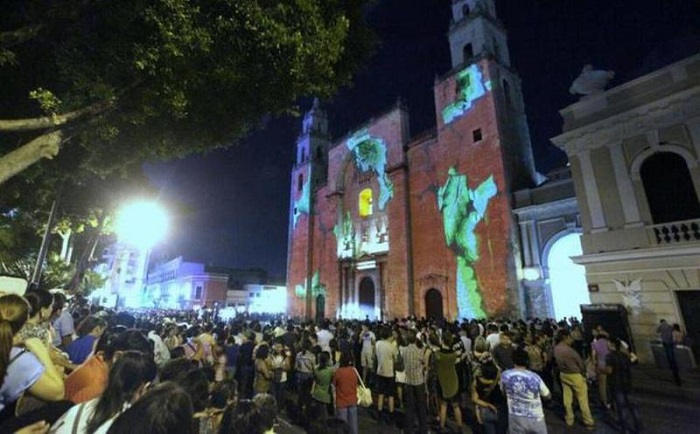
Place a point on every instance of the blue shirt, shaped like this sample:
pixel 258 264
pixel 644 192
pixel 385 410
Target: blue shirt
pixel 523 389
pixel 80 349
pixel 24 370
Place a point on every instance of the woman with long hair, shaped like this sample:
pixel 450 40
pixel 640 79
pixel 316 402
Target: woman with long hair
pixel 25 366
pixel 129 378
pixel 89 331
pixel 345 382
pixel 166 409
pixel 263 369
pixel 40 307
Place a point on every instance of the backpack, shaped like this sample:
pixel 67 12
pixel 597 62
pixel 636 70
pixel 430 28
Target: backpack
pixel 399 365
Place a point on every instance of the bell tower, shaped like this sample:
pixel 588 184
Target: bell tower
pixel 477 36
pixel 310 171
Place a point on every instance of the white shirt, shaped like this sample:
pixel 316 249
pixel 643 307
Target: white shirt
pixel 386 351
pixel 160 350
pixel 324 339
pixel 493 339
pixel 65 424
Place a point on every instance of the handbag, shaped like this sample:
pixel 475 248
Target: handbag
pixel 364 395
pixel 399 365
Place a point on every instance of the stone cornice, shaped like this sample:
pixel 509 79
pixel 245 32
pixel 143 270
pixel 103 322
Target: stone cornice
pixel 654 253
pixel 557 207
pixel 660 113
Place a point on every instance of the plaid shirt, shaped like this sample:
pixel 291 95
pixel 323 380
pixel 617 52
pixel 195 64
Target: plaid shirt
pixel 415 365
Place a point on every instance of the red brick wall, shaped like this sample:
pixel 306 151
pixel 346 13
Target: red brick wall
pixel 422 171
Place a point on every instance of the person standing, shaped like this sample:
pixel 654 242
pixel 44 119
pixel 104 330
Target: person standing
pixel 368 340
pixel 572 372
pixel 524 391
pixel 665 332
pixel 617 368
pixel 414 388
pixel 63 324
pixel 599 351
pixel 386 384
pixel 448 383
pixel 345 382
pixel 503 352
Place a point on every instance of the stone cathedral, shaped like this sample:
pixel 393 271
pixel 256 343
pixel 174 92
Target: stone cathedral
pixel 383 225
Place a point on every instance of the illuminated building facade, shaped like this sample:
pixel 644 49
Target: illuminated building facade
pixel 634 152
pixel 178 284
pixel 383 225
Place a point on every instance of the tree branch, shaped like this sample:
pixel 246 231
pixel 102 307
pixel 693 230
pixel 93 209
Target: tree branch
pixel 55 120
pixel 44 146
pixel 15 37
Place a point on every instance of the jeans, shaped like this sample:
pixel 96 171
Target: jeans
pixel 670 350
pixel 278 390
pixel 526 425
pixel 416 406
pixel 575 384
pixel 626 413
pixel 349 415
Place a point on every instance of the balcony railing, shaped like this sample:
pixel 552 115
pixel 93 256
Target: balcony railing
pixel 687 231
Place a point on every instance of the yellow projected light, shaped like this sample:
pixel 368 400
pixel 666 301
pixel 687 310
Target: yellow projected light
pixel 365 204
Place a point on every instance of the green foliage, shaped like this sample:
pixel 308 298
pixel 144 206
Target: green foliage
pixel 170 77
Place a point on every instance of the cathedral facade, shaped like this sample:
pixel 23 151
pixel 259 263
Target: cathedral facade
pixel 383 225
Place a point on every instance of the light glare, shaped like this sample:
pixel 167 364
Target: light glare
pixel 142 224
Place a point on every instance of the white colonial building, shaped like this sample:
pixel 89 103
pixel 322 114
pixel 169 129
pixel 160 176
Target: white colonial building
pixel 634 152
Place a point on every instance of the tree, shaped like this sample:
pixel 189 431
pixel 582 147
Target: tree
pixel 101 86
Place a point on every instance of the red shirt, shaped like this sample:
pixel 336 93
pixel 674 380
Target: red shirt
pixel 88 381
pixel 345 381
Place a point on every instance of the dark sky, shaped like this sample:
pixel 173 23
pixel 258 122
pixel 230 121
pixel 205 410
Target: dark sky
pixel 239 198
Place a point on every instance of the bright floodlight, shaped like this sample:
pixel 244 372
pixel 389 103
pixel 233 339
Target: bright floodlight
pixel 141 224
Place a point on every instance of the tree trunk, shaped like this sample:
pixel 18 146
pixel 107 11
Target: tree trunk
pixel 65 244
pixel 84 260
pixel 44 146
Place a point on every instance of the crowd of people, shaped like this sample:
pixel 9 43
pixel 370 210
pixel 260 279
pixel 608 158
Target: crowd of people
pixel 179 372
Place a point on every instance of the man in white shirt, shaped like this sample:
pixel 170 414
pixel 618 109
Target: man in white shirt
pixel 493 337
pixel 386 384
pixel 324 337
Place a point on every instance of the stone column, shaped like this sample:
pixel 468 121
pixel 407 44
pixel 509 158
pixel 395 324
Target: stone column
pixel 592 196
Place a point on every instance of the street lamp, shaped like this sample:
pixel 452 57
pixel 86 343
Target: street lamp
pixel 139 226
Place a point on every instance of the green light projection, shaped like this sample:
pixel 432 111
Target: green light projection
pixel 470 87
pixel 370 155
pixel 302 205
pixel 345 236
pixel 316 287
pixel 462 209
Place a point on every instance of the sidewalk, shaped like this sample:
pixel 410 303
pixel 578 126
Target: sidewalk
pixel 663 408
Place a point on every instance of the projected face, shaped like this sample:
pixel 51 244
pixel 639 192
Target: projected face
pixel 462 210
pixel 470 87
pixel 302 204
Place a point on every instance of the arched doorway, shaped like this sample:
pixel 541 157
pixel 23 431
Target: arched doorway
pixel 433 304
pixel 320 307
pixel 567 280
pixel 366 299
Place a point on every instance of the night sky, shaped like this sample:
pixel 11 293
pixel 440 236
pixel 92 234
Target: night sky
pixel 238 199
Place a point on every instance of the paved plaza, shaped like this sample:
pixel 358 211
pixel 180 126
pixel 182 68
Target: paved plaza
pixel 663 406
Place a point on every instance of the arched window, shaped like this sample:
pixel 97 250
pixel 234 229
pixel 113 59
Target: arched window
pixel 300 182
pixel 468 52
pixel 506 93
pixel 669 188
pixel 365 203
pixel 465 10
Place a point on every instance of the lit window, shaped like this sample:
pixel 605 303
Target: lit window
pixel 365 202
pixel 198 293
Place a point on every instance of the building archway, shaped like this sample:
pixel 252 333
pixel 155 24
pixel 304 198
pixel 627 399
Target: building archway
pixel 567 280
pixel 367 297
pixel 433 304
pixel 669 188
pixel 320 307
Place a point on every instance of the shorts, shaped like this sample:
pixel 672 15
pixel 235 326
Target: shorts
pixel 385 385
pixel 454 399
pixel 367 359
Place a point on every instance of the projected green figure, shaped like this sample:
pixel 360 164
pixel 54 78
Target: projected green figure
pixel 462 209
pixel 470 87
pixel 317 288
pixel 302 205
pixel 370 155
